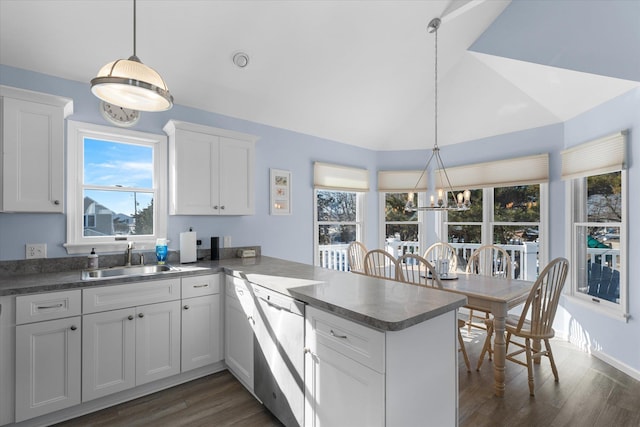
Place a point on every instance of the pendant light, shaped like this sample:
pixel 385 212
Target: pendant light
pixel 439 200
pixel 130 84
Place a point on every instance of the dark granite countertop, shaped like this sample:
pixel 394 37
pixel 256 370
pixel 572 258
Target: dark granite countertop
pixel 382 304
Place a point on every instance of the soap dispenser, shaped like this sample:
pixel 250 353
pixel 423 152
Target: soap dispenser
pixel 92 260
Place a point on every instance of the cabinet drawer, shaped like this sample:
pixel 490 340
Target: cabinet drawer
pixel 358 342
pixel 52 305
pixel 121 296
pixel 236 288
pixel 195 286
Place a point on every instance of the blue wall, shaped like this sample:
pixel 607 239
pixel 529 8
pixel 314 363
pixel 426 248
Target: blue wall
pixel 291 237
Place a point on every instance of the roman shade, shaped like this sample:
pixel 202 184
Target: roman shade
pixel 501 173
pixel 342 178
pixel 402 181
pixel 603 155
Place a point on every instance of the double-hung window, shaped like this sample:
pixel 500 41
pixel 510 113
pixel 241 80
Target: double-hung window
pixel 338 202
pixel 597 184
pixel 116 186
pixel 402 228
pixel 508 209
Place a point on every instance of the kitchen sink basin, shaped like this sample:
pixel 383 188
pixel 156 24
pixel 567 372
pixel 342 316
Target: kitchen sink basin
pixel 137 270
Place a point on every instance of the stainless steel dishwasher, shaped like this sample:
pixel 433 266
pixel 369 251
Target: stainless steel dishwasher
pixel 278 355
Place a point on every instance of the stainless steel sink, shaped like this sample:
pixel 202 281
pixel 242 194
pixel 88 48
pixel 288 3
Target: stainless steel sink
pixel 137 270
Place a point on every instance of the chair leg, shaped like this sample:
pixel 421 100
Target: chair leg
pixel 470 321
pixel 527 343
pixel 464 351
pixel 486 348
pixel 553 363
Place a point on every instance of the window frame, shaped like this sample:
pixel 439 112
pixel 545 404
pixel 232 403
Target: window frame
pixel 575 188
pixel 420 199
pixel 76 242
pixel 359 223
pixel 488 220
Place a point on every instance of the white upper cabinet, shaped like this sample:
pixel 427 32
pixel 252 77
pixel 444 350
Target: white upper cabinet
pixel 211 170
pixel 32 150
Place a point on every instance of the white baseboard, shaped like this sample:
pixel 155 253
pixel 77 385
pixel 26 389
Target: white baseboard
pixel 633 373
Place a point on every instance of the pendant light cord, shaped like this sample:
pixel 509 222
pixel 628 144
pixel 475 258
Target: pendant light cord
pixel 436 89
pixel 134 28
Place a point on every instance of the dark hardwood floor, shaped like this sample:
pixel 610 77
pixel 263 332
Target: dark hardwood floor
pixel 589 393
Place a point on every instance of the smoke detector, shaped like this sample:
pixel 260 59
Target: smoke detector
pixel 241 59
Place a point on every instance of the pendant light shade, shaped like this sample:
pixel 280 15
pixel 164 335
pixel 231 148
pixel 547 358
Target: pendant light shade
pixel 130 84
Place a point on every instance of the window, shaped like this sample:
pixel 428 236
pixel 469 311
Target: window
pixel 598 222
pixel 508 206
pixel 401 227
pixel 116 182
pixel 338 201
pixel 338 224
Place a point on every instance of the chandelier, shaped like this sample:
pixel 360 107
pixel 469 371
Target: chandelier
pixel 130 84
pixel 439 201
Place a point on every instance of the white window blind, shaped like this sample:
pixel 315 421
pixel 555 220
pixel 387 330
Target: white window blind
pixel 335 177
pixel 402 181
pixel 596 157
pixel 501 173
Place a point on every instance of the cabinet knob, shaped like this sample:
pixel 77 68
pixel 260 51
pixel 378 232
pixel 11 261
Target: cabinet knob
pixel 186 307
pixel 215 207
pixel 130 317
pixel 56 202
pixel 73 327
pixel 221 207
pixel 140 315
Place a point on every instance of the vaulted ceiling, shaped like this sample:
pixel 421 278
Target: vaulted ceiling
pixel 358 72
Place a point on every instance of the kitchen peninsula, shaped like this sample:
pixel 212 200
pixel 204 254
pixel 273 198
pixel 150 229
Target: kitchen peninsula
pixel 399 336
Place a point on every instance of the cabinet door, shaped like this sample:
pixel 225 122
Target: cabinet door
pixel 236 177
pixel 341 391
pixel 108 352
pixel 201 331
pixel 157 341
pixel 32 157
pixel 239 312
pixel 193 173
pixel 47 367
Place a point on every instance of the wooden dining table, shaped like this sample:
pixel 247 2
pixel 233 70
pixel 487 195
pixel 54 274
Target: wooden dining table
pixel 496 295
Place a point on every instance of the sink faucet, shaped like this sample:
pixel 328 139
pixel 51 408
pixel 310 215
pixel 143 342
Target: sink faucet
pixel 127 254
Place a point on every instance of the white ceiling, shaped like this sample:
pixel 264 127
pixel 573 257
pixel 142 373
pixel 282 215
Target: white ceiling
pixel 358 72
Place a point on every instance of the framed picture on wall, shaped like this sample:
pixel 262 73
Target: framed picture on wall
pixel 280 182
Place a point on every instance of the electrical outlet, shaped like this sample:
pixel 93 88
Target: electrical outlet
pixel 226 243
pixel 36 250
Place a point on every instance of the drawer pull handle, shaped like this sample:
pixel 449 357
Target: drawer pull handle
pixel 44 307
pixel 130 317
pixel 186 307
pixel 73 327
pixel 141 315
pixel 206 285
pixel 333 334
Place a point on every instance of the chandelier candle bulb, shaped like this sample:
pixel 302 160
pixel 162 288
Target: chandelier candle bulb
pixel 460 199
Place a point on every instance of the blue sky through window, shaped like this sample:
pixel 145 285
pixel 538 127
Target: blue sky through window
pixel 118 168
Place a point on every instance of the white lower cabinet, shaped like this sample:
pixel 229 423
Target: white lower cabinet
pixel 356 375
pixel 239 322
pixel 344 372
pixel 47 367
pixel 202 321
pixel 129 347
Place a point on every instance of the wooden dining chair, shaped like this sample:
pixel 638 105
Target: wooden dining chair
pixel 380 263
pixel 536 321
pixel 418 271
pixel 487 260
pixel 355 256
pixel 442 250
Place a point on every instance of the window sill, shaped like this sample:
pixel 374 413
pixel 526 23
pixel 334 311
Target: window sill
pixel 602 307
pixel 106 247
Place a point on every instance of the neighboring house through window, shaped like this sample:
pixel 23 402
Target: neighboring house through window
pixel 116 187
